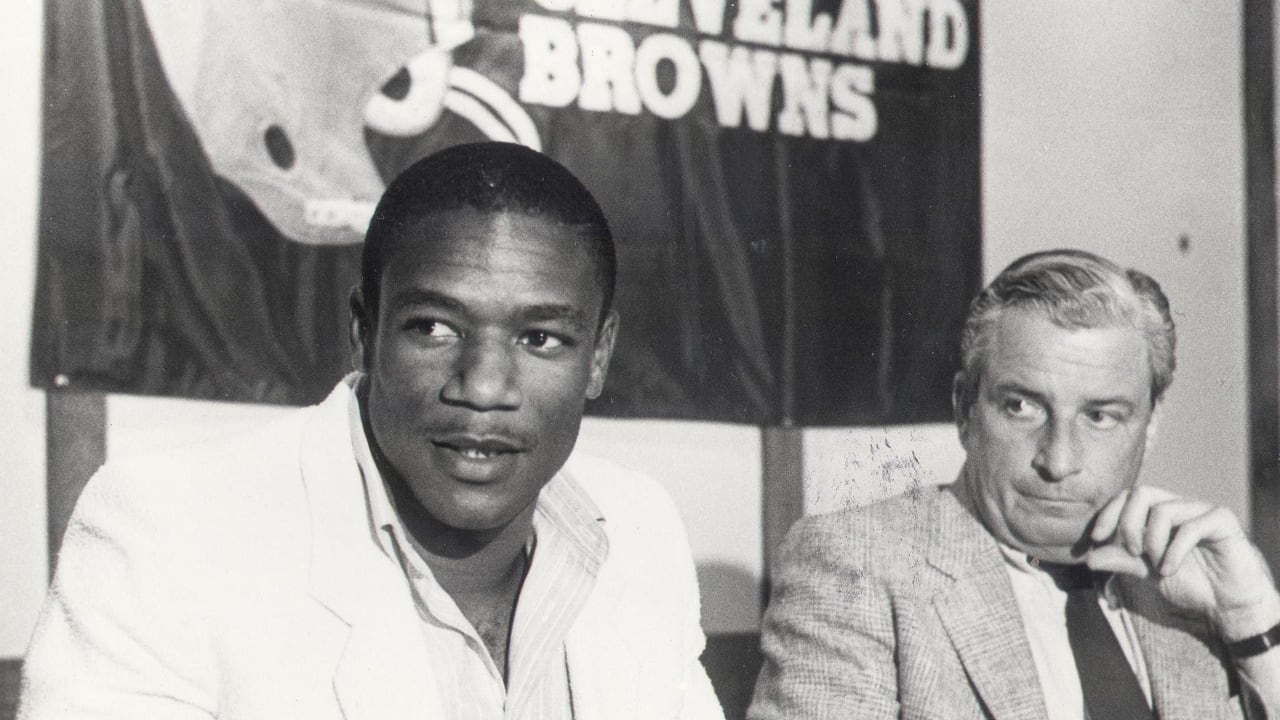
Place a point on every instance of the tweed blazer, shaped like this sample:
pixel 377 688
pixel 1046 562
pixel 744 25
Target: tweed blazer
pixel 905 609
pixel 240 579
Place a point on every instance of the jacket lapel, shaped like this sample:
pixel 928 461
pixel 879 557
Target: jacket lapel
pixel 381 668
pixel 604 671
pixel 981 617
pixel 1187 679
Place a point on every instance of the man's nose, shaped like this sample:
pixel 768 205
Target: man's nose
pixel 1059 452
pixel 484 376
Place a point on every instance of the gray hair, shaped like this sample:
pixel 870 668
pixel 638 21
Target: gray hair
pixel 1073 289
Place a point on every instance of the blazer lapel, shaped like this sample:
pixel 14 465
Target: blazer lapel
pixel 383 673
pixel 981 617
pixel 1187 679
pixel 381 669
pixel 604 672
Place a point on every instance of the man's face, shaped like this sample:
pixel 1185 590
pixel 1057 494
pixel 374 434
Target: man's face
pixel 1059 425
pixel 483 353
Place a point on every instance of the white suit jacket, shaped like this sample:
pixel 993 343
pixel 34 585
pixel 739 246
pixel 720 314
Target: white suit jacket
pixel 240 579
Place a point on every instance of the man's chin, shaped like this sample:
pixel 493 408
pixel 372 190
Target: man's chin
pixel 479 521
pixel 1057 547
pixel 1064 550
pixel 1059 540
pixel 480 513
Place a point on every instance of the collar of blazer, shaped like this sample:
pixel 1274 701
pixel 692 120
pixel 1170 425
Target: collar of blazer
pixel 604 689
pixel 378 667
pixel 979 612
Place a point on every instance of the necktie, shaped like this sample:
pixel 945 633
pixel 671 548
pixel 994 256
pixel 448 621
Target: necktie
pixel 1111 690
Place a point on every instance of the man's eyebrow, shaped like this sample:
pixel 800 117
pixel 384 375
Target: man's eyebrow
pixel 555 312
pixel 1106 401
pixel 1016 387
pixel 571 315
pixel 417 296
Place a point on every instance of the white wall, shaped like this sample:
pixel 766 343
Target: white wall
pixel 858 466
pixel 1118 127
pixel 22 470
pixel 1110 126
pixel 1115 127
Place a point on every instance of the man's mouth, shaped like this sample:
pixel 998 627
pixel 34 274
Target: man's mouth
pixel 475 453
pixel 479 447
pixel 1051 500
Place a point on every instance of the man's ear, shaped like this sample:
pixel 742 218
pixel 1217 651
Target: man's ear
pixel 361 331
pixel 601 354
pixel 961 404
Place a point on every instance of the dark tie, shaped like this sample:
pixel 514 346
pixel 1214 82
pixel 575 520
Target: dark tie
pixel 1111 690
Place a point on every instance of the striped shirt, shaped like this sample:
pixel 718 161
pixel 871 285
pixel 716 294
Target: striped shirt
pixel 566 550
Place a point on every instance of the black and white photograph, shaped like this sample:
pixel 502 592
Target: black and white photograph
pixel 606 359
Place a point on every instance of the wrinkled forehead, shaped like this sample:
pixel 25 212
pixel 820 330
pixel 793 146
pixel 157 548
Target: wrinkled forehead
pixel 1033 349
pixel 489 250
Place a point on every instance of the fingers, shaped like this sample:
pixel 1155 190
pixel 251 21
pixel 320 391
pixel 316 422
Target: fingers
pixel 1212 526
pixel 1104 523
pixel 1116 559
pixel 1149 522
pixel 1199 555
pixel 1156 529
pixel 1124 518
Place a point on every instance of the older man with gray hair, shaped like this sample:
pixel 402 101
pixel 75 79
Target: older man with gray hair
pixel 1044 583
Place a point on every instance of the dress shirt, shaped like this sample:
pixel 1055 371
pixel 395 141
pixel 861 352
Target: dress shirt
pixel 565 553
pixel 1043 609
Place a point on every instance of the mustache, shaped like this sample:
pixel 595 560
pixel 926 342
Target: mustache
pixel 488 437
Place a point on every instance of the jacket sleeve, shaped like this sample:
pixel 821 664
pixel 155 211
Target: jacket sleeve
pixel 828 636
pixel 697 699
pixel 700 700
pixel 122 633
pixel 636 648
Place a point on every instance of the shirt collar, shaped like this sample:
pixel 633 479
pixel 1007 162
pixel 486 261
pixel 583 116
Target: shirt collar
pixel 1015 558
pixel 1018 561
pixel 383 522
pixel 565 508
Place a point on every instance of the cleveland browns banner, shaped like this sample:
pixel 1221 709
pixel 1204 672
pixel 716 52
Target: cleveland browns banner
pixel 793 185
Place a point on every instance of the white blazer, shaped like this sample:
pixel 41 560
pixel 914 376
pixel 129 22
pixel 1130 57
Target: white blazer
pixel 239 579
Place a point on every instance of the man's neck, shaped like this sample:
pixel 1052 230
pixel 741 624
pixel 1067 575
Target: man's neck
pixel 960 488
pixel 463 560
pixel 482 571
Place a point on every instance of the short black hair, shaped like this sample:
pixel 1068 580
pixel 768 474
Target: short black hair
pixel 489 177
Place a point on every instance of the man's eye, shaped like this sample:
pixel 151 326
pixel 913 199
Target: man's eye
pixel 432 328
pixel 1020 408
pixel 1102 420
pixel 542 340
